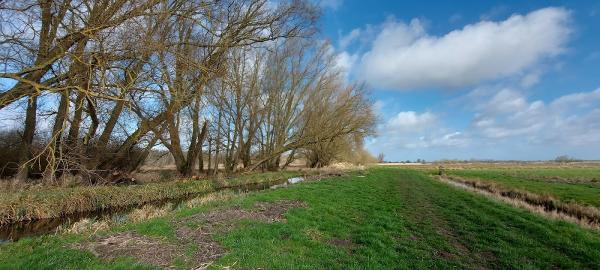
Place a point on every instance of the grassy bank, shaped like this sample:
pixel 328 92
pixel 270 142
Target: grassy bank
pixel 59 201
pixel 569 185
pixel 390 218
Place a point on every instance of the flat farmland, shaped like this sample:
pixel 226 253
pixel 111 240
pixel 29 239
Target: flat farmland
pixel 380 218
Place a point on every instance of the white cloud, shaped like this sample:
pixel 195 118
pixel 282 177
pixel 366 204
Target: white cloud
pixel 414 130
pixel 410 122
pixel 349 38
pixel 577 100
pixel 506 125
pixel 530 79
pixel 346 61
pixel 450 139
pixel 566 120
pixel 378 106
pixel 404 56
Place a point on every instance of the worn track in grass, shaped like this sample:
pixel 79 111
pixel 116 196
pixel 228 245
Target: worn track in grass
pixel 389 219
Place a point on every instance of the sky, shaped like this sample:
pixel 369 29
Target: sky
pixel 500 80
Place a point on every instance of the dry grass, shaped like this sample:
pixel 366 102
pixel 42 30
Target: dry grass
pixel 150 211
pixel 145 249
pixel 57 201
pixel 17 185
pixel 495 165
pixel 85 225
pixel 155 251
pixel 345 166
pixel 586 216
pixel 213 197
pixel 146 212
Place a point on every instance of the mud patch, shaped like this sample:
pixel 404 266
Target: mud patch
pixel 145 249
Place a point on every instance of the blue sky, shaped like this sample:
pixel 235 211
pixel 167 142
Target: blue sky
pixel 474 79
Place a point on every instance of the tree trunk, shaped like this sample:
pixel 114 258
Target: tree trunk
pixel 200 162
pixel 95 122
pixel 209 156
pixel 217 145
pixel 28 134
pixel 55 144
pixel 73 136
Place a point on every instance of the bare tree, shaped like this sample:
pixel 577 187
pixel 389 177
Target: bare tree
pixel 243 83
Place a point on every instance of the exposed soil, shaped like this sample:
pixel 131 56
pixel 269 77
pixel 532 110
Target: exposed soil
pixel 161 253
pixel 208 249
pixel 345 243
pixel 145 249
pixel 224 219
pixel 446 255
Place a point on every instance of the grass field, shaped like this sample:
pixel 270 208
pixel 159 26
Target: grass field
pixel 389 218
pixel 570 185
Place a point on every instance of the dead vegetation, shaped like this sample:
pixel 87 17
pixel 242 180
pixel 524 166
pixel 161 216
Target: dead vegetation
pixel 42 202
pixel 145 249
pixel 162 253
pixel 262 211
pixel 100 87
pixel 587 216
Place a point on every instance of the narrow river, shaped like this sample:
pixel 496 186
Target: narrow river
pixel 15 231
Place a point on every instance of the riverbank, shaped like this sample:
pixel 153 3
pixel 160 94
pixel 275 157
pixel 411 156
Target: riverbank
pixel 382 218
pixel 62 201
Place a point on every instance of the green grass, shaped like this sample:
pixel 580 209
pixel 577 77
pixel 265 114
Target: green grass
pixel 50 253
pixel 571 185
pixel 390 219
pixel 556 174
pixel 261 177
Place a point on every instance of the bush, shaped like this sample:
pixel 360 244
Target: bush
pixel 565 159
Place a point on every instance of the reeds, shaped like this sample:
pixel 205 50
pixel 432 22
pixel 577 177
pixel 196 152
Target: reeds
pixel 54 202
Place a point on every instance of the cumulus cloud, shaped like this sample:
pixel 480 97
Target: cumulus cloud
pixel 569 120
pixel 410 122
pixel 405 56
pixel 506 124
pixel 345 61
pixel 577 100
pixel 414 130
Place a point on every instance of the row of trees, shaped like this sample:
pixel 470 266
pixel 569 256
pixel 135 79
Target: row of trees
pixel 241 83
